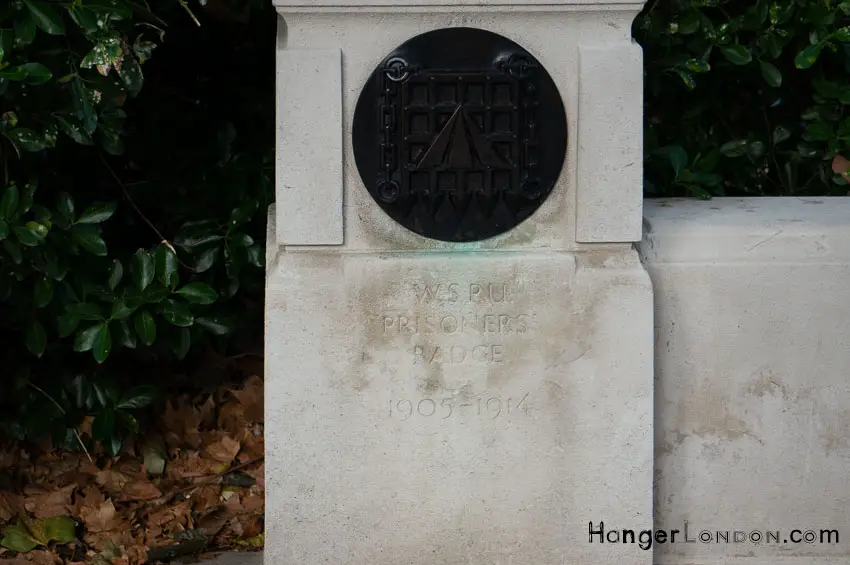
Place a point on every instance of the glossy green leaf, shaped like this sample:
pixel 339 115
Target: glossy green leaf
pixel 84 108
pixel 84 310
pixel 124 335
pixel 206 260
pixel 771 74
pixel 116 273
pixel 780 134
pixel 17 538
pixel 842 34
pixel 143 269
pixel 9 202
pixel 198 293
pixel 257 256
pixel 27 139
pixel 4 230
pixel 36 338
pixel 107 391
pixel 28 73
pixel 31 234
pixel 85 18
pixel 97 213
pixel 138 397
pixel 120 309
pixel 197 236
pixel 166 266
pixel 59 529
pixel 821 131
pixel 65 207
pixel 14 251
pixel 42 292
pixel 737 54
pixel 735 148
pixel 131 74
pixel 215 325
pixel 115 443
pixel 46 17
pixel 145 327
pixel 129 421
pixel 81 390
pixel 177 313
pixel 807 57
pixel 85 338
pixel 241 240
pixel 156 293
pixel 89 239
pixel 105 53
pixel 115 9
pixel 73 128
pixel 244 212
pixel 103 424
pixel 102 345
pixel 697 65
pixel 66 324
pixel 182 344
pixel 24 27
pixel 26 204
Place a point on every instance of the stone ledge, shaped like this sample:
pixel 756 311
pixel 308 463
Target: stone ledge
pixel 751 230
pixel 302 6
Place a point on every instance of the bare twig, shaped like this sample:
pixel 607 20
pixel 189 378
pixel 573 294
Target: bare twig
pixel 202 481
pixel 59 406
pixel 773 150
pixel 189 11
pixel 129 198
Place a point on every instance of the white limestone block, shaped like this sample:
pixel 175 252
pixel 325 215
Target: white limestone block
pixel 478 5
pixel 610 143
pixel 752 348
pixel 309 186
pixel 451 408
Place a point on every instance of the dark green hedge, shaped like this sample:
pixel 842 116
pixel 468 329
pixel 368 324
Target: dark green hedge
pixel 745 97
pixel 136 144
pixel 138 152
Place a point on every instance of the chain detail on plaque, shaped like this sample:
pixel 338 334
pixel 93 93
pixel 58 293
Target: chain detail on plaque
pixel 460 134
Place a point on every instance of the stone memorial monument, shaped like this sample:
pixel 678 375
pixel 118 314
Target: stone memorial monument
pixel 458 331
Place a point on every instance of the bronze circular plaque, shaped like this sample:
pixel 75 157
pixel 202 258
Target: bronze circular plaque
pixel 460 134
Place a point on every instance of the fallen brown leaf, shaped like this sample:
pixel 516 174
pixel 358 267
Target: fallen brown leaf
pixel 42 557
pixel 103 518
pixel 181 425
pixel 251 397
pixel 91 497
pixel 50 503
pixel 139 490
pixel 11 505
pixel 223 451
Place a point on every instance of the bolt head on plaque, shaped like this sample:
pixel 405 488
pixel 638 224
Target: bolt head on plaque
pixel 460 134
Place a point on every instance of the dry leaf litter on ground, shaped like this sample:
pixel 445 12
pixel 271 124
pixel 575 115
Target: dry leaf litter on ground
pixel 194 484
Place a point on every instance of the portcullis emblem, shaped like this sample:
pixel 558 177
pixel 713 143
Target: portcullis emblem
pixel 460 134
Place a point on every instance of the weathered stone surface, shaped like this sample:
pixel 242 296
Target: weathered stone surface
pixel 752 397
pixel 554 38
pixel 309 127
pixel 610 153
pixel 480 403
pixel 456 408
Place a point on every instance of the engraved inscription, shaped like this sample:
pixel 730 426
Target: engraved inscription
pixel 487 324
pixel 474 313
pixel 485 406
pixel 486 354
